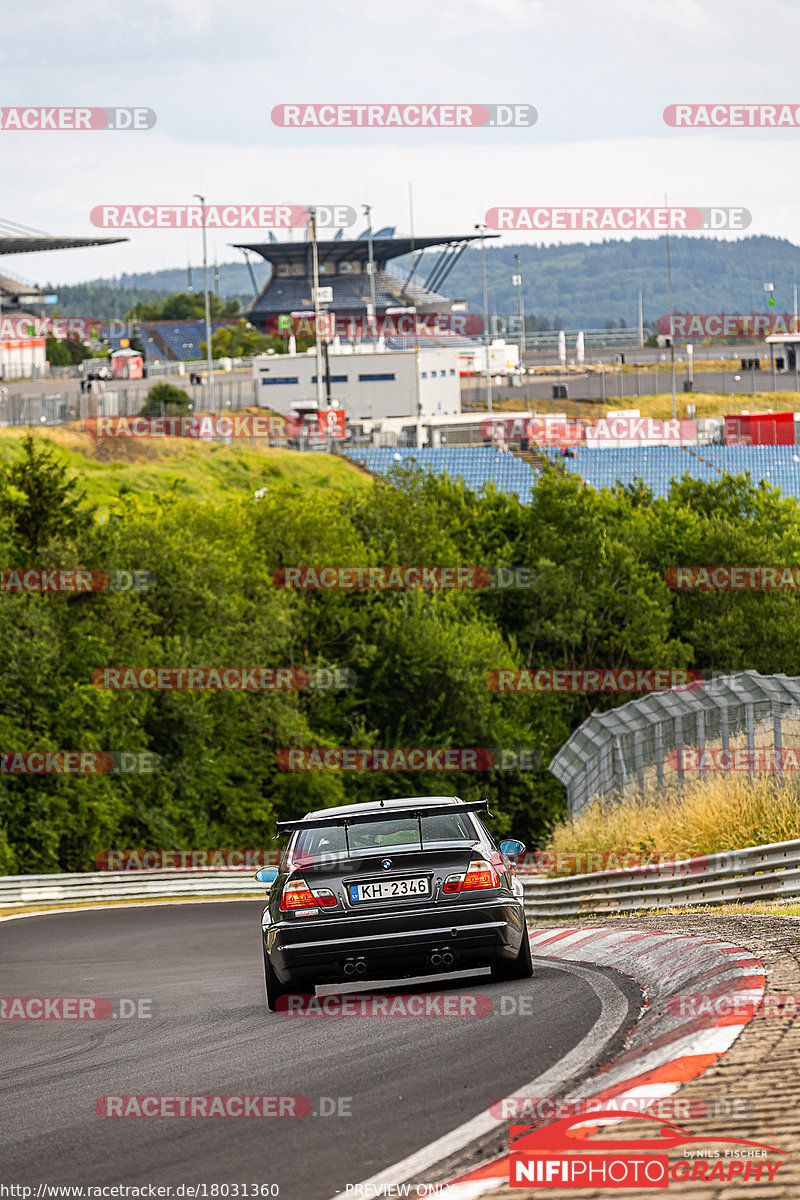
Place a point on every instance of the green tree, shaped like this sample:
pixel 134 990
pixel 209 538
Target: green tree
pixel 38 499
pixel 164 399
pixel 183 306
pixel 57 353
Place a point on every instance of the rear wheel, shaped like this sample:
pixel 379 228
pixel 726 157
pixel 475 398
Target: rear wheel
pixel 522 965
pixel 276 989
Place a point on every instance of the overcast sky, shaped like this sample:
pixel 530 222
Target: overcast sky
pixel 599 75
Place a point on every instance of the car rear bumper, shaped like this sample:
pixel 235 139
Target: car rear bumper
pixel 395 944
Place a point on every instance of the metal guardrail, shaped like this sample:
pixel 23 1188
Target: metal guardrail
pixel 756 873
pixel 20 890
pixel 768 872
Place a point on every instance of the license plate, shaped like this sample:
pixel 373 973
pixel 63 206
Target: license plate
pixel 391 889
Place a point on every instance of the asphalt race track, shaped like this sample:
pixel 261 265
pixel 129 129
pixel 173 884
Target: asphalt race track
pixel 405 1080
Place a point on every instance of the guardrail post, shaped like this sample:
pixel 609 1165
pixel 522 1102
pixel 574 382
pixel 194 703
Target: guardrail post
pixel 701 739
pixel 638 753
pixel 777 733
pixel 619 764
pixel 678 743
pixel 751 739
pixel 660 756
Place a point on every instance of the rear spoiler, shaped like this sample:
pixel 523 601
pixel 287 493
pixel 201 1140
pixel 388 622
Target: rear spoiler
pixel 385 814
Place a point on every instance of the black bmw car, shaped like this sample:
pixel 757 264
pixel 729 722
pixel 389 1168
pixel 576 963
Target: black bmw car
pixel 390 890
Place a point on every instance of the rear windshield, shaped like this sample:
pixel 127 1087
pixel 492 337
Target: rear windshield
pixel 377 835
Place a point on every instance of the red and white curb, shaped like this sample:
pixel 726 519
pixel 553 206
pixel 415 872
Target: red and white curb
pixel 665 1049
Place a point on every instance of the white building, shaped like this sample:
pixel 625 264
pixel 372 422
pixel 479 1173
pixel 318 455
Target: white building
pixel 22 358
pixel 369 384
pixel 503 358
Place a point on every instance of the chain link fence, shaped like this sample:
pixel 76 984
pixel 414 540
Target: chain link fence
pixel 744 722
pixel 67 403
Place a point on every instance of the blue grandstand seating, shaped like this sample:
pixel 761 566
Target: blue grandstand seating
pixel 182 338
pixel 476 465
pixel 288 293
pixel 656 466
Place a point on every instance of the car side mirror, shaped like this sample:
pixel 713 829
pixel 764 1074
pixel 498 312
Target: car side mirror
pixel 512 848
pixel 267 874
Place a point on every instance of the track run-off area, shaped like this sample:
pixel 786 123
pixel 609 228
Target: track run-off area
pixel 179 1012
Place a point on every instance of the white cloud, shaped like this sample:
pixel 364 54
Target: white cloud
pixel 599 75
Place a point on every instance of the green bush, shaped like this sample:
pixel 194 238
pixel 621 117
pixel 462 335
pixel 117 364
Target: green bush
pixel 164 399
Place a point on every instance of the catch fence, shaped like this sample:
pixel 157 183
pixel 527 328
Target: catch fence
pixel 743 722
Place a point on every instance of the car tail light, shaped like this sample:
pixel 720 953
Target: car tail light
pixel 299 895
pixel 480 874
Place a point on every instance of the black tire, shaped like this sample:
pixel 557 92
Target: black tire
pixel 522 965
pixel 276 989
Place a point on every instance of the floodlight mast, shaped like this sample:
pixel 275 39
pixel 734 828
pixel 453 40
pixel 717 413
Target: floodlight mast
pixel 517 280
pixel 486 334
pixel 209 361
pixel 671 318
pixel 368 214
pixel 312 234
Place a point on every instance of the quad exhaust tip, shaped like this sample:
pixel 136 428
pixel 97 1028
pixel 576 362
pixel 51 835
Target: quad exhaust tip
pixel 361 967
pixel 447 958
pixel 349 967
pixel 436 959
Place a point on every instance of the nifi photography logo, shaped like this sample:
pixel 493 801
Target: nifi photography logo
pixel 561 1156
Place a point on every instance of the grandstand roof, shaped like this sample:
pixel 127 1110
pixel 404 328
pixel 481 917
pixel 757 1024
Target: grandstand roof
pixel 26 245
pixel 356 250
pixel 10 288
pixel 22 239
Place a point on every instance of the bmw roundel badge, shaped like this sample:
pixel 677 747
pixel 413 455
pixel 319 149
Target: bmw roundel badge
pixel 387 864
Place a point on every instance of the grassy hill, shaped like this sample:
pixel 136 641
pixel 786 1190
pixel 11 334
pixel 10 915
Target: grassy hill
pixel 184 467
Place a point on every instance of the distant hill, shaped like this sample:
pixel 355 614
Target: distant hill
pixel 587 284
pixel 581 285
